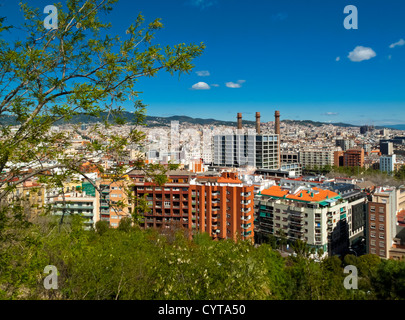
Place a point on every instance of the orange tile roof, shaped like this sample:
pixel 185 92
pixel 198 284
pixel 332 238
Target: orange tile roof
pixel 219 179
pixel 228 180
pixel 302 195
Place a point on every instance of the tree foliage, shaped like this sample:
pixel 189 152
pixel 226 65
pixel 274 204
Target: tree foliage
pixel 131 263
pixel 80 68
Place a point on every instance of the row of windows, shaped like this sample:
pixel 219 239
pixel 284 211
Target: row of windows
pixel 374 251
pixel 380 227
pixel 380 218
pixel 380 209
pixel 381 243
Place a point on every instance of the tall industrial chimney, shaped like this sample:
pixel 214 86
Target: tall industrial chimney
pixel 258 122
pixel 240 121
pixel 277 131
pixel 277 122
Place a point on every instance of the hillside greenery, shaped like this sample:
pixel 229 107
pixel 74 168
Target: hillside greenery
pixel 129 263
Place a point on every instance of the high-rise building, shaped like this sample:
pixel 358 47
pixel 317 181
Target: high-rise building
pixel 381 222
pixel 220 205
pixel 345 144
pixel 223 206
pixel 252 150
pixel 169 204
pixel 365 129
pixel 386 148
pixel 353 158
pixel 387 163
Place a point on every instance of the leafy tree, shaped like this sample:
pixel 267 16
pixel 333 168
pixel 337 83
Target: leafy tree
pixel 77 69
pixel 389 280
pixel 102 226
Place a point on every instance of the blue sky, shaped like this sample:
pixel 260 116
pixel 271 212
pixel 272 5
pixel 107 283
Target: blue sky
pixel 267 55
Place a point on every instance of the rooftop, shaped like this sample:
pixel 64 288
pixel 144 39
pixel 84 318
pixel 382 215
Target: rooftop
pixel 301 194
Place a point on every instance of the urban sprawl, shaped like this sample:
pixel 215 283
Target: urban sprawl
pixel 271 179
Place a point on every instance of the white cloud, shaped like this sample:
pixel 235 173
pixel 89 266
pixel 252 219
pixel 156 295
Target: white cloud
pixel 401 42
pixel 201 86
pixel 338 59
pixel 237 84
pixel 330 114
pixel 361 53
pixel 203 73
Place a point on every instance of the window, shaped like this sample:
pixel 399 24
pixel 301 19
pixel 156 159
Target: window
pixel 381 209
pixel 381 218
pixel 372 226
pixel 372 217
pixel 382 252
pixel 381 227
pixel 372 234
pixel 372 209
pixel 372 242
pixel 382 244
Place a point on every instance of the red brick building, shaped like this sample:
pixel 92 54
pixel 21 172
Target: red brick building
pixel 218 205
pixel 353 158
pixel 224 206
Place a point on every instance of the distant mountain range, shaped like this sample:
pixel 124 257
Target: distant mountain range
pixel 154 121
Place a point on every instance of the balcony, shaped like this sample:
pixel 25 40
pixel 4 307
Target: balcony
pixel 246 226
pixel 297 223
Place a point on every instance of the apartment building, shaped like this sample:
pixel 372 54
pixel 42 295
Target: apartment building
pixel 353 158
pixel 30 195
pixel 169 204
pixel 76 203
pixel 310 214
pixel 220 205
pixel 316 157
pixel 345 144
pixel 113 200
pixel 289 157
pixel 387 163
pixel 353 228
pixel 382 221
pixel 224 206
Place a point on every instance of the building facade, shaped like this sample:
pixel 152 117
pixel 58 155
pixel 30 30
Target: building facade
pixel 246 150
pixel 387 163
pixel 353 158
pixel 224 207
pixel 320 157
pixel 310 214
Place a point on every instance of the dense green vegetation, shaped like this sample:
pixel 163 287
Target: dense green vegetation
pixel 131 263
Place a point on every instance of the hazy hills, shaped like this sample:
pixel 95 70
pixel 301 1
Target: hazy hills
pixel 155 121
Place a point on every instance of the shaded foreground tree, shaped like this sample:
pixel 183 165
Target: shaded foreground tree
pixel 132 263
pixel 76 69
